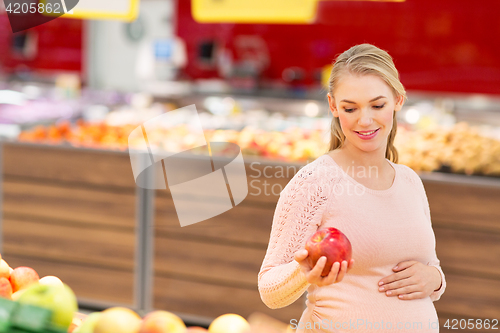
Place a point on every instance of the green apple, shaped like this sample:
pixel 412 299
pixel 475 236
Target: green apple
pixel 89 323
pixel 58 298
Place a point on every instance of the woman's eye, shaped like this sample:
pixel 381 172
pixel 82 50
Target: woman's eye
pixel 379 106
pixel 348 110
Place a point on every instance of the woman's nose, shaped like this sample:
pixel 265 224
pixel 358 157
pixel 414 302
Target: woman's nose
pixel 365 118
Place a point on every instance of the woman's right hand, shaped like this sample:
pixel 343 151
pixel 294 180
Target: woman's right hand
pixel 313 274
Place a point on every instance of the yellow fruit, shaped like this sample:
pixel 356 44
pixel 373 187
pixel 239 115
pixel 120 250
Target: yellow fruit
pixel 162 322
pixel 50 280
pixel 229 323
pixel 118 320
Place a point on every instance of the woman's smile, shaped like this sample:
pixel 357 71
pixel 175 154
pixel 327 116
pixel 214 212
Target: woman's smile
pixel 367 135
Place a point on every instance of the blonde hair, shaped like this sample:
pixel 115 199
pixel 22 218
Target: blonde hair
pixel 366 59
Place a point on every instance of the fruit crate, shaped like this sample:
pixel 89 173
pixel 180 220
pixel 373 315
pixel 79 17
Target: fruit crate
pixel 24 318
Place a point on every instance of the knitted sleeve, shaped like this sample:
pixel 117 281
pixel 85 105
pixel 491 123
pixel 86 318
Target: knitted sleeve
pixel 297 216
pixel 436 295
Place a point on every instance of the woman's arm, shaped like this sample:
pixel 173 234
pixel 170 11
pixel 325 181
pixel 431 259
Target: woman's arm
pixel 297 216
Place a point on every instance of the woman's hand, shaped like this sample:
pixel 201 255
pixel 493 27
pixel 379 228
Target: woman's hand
pixel 413 280
pixel 313 274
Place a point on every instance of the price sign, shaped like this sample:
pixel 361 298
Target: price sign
pixel 257 11
pixel 124 10
pixel 254 11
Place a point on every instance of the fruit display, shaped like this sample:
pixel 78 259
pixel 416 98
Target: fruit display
pixel 113 320
pixel 330 243
pixel 82 134
pixel 47 305
pixel 25 318
pixel 31 304
pixel 123 320
pixel 294 144
pixel 460 149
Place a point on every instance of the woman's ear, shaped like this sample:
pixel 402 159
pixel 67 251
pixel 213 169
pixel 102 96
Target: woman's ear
pixel 333 108
pixel 399 103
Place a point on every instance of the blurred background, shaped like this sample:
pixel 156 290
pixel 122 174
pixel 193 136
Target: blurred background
pixel 74 88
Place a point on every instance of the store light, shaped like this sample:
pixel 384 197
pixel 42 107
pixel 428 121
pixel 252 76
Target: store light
pixel 219 106
pixel 311 109
pixel 412 116
pixel 12 97
pixel 478 102
pixel 228 105
pixel 32 92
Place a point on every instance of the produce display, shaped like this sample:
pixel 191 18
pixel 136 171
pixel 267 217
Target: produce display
pixel 330 243
pixel 29 304
pixel 123 320
pixel 293 144
pixel 460 149
pixel 82 134
pixel 24 318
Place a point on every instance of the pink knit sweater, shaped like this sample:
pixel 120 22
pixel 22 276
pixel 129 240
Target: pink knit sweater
pixel 385 227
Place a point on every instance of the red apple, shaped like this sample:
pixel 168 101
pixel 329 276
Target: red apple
pixel 22 277
pixel 331 243
pixel 5 288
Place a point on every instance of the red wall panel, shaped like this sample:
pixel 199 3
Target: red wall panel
pixel 59 46
pixel 443 46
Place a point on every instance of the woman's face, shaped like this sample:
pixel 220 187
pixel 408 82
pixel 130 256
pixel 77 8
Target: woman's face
pixel 364 105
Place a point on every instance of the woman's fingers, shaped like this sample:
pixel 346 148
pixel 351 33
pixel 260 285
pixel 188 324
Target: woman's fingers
pixel 318 268
pixel 337 273
pixel 332 276
pixel 301 255
pixel 343 270
pixel 351 263
pixel 313 275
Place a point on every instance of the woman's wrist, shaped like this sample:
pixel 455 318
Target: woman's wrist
pixel 440 279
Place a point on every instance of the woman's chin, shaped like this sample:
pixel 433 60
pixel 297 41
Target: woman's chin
pixel 370 147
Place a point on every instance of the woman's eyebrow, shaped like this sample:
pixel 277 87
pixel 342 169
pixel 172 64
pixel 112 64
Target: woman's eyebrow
pixel 373 100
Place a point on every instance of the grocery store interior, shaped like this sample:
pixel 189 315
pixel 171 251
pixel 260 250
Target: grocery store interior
pixel 79 90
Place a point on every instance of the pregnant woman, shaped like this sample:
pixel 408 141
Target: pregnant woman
pixel 394 275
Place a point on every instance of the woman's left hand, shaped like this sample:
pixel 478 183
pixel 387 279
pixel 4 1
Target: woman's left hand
pixel 412 280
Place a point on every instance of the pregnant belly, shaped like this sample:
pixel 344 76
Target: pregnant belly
pixel 347 310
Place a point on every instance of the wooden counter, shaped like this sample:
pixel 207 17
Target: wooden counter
pixel 73 213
